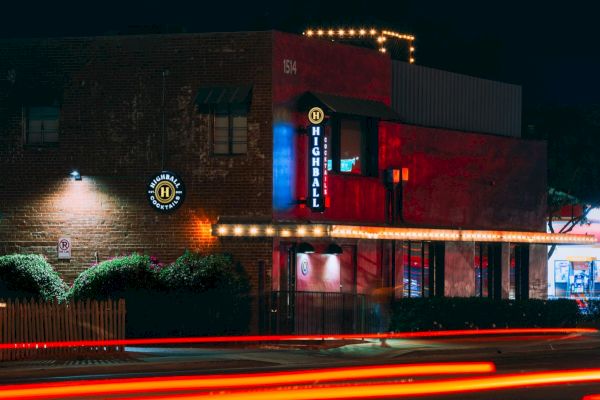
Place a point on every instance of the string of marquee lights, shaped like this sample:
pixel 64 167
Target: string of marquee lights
pixel 393 233
pixel 380 37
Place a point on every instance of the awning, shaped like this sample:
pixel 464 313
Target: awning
pixel 348 105
pixel 239 96
pixel 330 231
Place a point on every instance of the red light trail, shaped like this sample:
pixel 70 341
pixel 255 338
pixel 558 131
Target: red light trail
pixel 423 388
pixel 283 338
pixel 252 380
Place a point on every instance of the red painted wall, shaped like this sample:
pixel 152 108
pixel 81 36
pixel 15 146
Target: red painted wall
pixel 457 179
pixel 467 180
pixel 338 69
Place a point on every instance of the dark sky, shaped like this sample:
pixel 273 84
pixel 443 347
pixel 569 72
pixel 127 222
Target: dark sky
pixel 552 49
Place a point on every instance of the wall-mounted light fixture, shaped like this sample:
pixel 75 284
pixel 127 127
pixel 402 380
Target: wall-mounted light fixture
pixel 76 175
pixel 305 248
pixel 333 248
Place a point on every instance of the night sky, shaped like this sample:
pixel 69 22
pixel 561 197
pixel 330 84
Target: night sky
pixel 549 48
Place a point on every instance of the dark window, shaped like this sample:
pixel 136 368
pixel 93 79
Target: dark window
pixel 519 272
pixel 481 270
pixel 230 130
pixel 353 146
pixel 41 125
pixel 488 270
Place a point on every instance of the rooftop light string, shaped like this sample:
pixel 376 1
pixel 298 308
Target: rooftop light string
pixel 379 36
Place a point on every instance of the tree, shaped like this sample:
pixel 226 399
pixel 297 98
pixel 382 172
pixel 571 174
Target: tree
pixel 556 201
pixel 573 136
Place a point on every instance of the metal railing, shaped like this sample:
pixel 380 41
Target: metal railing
pixel 322 313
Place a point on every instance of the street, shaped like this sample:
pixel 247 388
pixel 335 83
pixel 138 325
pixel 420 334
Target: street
pixel 512 356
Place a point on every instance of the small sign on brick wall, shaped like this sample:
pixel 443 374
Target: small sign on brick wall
pixel 64 248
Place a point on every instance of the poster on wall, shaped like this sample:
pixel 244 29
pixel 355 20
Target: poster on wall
pixel 561 271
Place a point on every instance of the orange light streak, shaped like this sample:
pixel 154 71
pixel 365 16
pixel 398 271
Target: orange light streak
pixel 166 384
pixel 284 338
pixel 423 388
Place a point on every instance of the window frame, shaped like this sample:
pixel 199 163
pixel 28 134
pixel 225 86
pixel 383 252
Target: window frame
pixel 369 142
pixel 231 112
pixel 26 112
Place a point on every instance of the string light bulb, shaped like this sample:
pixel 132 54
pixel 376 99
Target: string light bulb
pixel 379 36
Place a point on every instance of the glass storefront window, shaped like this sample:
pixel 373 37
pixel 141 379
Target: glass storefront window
pixel 481 270
pixel 416 269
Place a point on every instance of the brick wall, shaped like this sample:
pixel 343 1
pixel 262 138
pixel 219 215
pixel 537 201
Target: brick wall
pixel 110 91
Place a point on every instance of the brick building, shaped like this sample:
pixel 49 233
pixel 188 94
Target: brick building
pixel 411 204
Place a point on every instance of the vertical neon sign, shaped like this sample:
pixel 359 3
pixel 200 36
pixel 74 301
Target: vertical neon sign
pixel 317 161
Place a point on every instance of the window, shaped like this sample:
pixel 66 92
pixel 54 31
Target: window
pixel 354 146
pixel 230 130
pixel 481 270
pixel 519 272
pixel 416 267
pixel 351 132
pixel 488 271
pixel 41 125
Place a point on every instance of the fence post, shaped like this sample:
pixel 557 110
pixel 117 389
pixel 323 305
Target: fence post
pixel 2 326
pixel 323 313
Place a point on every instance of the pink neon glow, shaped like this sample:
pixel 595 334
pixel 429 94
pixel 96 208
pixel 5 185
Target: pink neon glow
pixel 283 338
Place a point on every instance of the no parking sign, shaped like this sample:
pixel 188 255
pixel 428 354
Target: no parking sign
pixel 64 248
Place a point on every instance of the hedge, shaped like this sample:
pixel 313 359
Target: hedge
pixel 436 313
pixel 195 295
pixel 30 275
pixel 115 278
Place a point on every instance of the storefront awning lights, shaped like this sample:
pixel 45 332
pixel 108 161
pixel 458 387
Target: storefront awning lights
pixel 390 233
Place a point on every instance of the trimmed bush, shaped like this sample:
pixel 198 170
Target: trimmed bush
pixel 203 294
pixel 116 278
pixel 30 275
pixel 196 295
pixel 199 273
pixel 436 313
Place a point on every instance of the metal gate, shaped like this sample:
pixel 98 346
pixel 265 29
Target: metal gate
pixel 321 313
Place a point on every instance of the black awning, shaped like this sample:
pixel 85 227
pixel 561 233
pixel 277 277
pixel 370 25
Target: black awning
pixel 218 96
pixel 348 105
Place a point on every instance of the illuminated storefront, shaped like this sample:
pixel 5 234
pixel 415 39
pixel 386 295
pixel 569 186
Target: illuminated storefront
pixel 574 271
pixel 325 169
